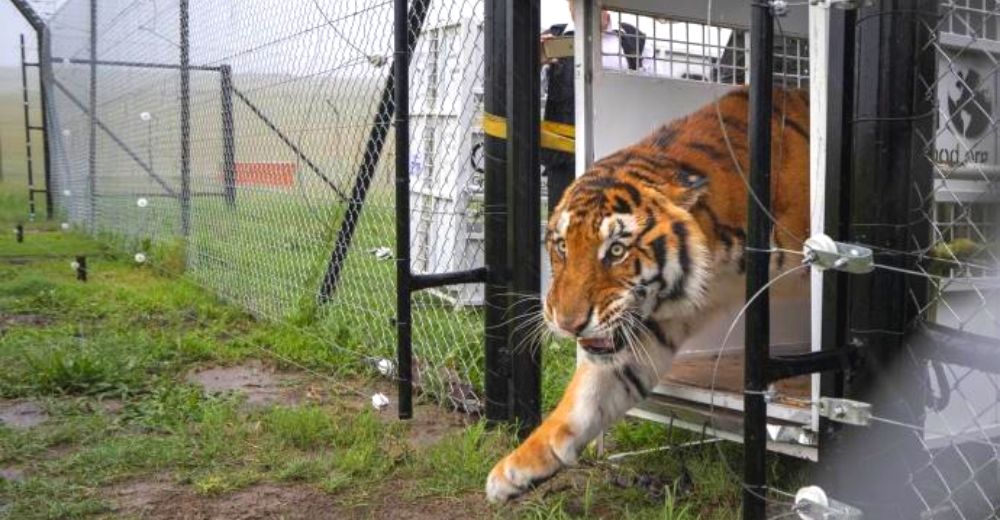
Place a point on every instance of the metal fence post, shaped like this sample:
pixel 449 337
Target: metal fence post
pixel 524 204
pixel 401 72
pixel 44 76
pixel 29 153
pixel 92 144
pixel 228 139
pixel 81 268
pixel 758 334
pixel 185 49
pixel 497 357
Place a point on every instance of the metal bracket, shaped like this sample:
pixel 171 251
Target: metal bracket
pixel 822 252
pixel 844 4
pixel 845 411
pixel 812 503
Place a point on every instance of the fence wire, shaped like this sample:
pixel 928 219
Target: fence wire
pixel 267 161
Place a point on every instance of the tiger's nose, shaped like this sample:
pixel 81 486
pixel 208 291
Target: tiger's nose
pixel 574 323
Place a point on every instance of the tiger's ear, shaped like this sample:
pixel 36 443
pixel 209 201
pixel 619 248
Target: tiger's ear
pixel 685 188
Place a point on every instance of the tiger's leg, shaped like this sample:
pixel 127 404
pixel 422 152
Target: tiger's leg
pixel 599 394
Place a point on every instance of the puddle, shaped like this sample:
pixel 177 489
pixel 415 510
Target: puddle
pixel 11 474
pixel 261 384
pixel 21 415
pixel 162 500
pixel 24 320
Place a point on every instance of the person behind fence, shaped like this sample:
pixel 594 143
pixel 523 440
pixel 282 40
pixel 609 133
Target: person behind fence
pixel 623 47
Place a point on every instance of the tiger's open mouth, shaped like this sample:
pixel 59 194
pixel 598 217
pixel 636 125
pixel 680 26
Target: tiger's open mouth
pixel 601 346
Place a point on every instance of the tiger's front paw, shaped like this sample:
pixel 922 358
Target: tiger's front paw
pixel 501 488
pixel 522 470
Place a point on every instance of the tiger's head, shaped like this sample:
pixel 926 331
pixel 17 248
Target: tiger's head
pixel 624 249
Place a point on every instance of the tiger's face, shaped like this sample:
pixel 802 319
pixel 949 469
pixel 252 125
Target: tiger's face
pixel 622 253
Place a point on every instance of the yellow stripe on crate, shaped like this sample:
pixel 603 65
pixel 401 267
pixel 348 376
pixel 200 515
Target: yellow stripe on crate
pixel 555 136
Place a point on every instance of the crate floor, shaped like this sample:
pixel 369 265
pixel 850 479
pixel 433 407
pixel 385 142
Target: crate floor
pixel 695 370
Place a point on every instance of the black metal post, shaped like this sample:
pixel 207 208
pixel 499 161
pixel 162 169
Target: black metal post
pixel 81 268
pixel 401 72
pixel 524 204
pixel 92 159
pixel 495 218
pixel 27 133
pixel 228 139
pixel 366 170
pixel 886 198
pixel 758 333
pixel 19 233
pixel 185 48
pixel 44 76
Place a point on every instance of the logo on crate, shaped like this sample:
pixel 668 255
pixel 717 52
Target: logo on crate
pixel 965 103
pixel 969 107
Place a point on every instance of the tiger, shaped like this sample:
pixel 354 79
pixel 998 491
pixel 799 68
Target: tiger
pixel 642 247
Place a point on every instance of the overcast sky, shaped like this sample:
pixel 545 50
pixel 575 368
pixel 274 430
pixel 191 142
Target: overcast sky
pixel 12 25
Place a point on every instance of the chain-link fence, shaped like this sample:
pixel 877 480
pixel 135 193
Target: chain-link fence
pixel 922 195
pixel 255 140
pixel 958 474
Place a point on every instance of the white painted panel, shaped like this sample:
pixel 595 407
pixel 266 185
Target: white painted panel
pixel 627 107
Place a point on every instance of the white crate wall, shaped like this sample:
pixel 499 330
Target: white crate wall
pixel 446 191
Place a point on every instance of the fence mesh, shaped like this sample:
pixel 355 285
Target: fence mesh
pixel 269 166
pixel 958 475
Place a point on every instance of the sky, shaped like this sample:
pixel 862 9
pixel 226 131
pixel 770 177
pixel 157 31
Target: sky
pixel 11 26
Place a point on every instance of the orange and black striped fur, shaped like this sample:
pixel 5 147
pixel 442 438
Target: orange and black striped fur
pixel 643 247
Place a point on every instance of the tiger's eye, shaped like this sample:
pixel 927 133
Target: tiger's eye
pixel 561 246
pixel 616 250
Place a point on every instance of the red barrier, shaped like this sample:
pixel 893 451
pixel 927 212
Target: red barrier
pixel 278 175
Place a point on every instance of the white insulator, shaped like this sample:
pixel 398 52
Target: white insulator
pixel 380 401
pixel 385 367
